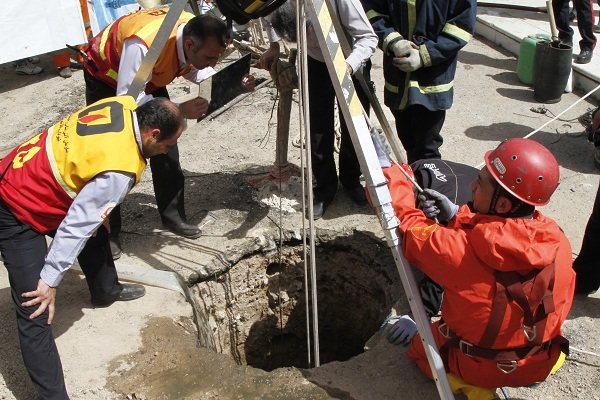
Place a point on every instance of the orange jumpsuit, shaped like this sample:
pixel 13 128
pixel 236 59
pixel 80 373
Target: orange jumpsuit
pixel 462 257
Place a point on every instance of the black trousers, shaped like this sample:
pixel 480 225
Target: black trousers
pixel 585 21
pixel 587 263
pixel 419 131
pixel 24 251
pixel 322 135
pixel 167 175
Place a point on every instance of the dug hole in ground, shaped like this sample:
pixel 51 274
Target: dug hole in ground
pixel 248 294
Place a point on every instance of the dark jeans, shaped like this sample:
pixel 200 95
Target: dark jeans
pixel 585 22
pixel 167 175
pixel 419 131
pixel 23 251
pixel 587 263
pixel 322 135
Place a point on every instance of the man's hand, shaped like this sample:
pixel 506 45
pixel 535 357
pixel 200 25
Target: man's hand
pixel 195 108
pixel 44 295
pixel 269 57
pixel 401 48
pixel 434 204
pixel 410 63
pixel 248 83
pixel 403 331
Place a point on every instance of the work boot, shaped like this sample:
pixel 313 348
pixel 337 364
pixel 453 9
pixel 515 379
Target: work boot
pixel 584 57
pixel 183 229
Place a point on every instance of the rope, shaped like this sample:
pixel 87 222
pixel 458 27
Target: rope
pixel 589 353
pixel 588 94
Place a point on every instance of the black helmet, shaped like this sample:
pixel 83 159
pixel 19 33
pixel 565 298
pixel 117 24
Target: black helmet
pixel 242 11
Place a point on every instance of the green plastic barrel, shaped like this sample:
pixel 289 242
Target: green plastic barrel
pixel 526 61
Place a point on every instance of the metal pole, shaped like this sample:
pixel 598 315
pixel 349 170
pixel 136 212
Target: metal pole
pixel 143 73
pixel 305 141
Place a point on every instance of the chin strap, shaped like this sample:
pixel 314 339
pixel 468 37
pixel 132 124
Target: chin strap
pixel 519 208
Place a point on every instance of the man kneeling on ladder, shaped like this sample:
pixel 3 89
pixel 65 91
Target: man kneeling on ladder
pixel 504 266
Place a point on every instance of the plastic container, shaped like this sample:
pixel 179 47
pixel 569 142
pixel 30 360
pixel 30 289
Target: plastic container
pixel 525 62
pixel 552 68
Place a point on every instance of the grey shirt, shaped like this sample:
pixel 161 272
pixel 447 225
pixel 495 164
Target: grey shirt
pixel 357 28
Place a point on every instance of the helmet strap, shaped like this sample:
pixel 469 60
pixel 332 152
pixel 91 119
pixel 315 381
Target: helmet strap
pixel 519 208
pixel 494 199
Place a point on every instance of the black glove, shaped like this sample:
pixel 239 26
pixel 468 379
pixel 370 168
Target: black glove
pixel 436 205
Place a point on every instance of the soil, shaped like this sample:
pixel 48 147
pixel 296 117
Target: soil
pixel 245 294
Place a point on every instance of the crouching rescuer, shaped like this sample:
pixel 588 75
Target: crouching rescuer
pixel 506 270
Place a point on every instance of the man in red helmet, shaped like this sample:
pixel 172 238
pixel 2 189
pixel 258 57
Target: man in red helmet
pixel 505 268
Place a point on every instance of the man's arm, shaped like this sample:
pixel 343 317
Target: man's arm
pixel 199 75
pixel 355 22
pixel 456 33
pixel 89 209
pixel 132 55
pixel 434 249
pixel 272 54
pixel 377 12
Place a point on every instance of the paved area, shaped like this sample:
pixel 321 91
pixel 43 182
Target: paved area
pixel 507 27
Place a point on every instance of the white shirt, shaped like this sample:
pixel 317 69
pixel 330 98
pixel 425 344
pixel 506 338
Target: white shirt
pixel 132 55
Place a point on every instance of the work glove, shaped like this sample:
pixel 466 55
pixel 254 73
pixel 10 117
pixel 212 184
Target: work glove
pixel 401 48
pixel 436 205
pixel 403 331
pixel 409 63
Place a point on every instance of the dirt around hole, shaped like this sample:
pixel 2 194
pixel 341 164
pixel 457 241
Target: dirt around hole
pixel 258 309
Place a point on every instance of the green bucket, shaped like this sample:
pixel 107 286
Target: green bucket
pixel 526 60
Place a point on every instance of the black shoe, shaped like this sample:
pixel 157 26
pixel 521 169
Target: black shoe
pixel 584 57
pixel 357 194
pixel 115 247
pixel 184 229
pixel 572 15
pixel 131 291
pixel 319 207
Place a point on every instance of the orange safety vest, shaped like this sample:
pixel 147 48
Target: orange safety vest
pixel 104 49
pixel 482 260
pixel 42 176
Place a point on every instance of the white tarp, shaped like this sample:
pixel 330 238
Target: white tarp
pixel 32 27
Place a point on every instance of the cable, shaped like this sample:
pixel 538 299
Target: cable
pixel 588 94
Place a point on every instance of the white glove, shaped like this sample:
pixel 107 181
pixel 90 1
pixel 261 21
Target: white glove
pixel 403 331
pixel 401 48
pixel 384 159
pixel 410 63
pixel 434 204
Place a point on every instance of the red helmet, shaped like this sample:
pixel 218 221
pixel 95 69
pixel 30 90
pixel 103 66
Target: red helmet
pixel 525 168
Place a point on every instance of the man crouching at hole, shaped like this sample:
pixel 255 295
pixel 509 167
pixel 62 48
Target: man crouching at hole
pixel 63 183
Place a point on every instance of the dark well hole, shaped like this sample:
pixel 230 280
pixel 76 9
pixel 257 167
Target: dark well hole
pixel 258 311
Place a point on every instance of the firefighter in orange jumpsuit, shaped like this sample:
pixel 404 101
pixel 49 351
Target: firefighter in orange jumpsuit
pixel 506 269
